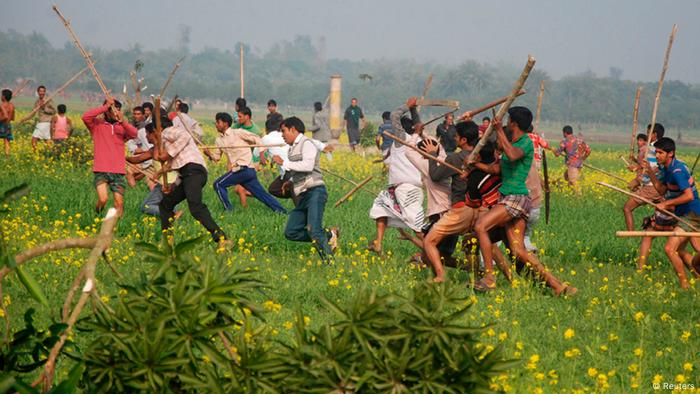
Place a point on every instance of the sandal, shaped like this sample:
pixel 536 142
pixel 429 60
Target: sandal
pixel 481 286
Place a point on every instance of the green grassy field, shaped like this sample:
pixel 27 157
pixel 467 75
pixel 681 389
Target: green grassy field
pixel 622 332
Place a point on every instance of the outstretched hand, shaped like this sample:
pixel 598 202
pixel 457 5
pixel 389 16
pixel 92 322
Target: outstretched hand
pixel 430 146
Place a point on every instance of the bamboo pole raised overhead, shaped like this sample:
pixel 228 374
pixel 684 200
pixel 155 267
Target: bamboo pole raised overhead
pixel 661 82
pixel 504 107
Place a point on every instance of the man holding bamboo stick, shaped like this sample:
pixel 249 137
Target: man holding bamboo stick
pixel 176 146
pixel 109 135
pixel 647 154
pixel 401 204
pixel 681 193
pixel 513 207
pixel 240 168
pixel 42 130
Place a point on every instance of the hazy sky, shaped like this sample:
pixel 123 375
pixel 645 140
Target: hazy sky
pixel 566 37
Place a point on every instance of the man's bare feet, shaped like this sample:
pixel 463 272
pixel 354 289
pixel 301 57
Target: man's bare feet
pixel 373 247
pixel 566 290
pixel 177 215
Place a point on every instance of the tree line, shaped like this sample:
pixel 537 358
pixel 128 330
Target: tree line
pixel 295 73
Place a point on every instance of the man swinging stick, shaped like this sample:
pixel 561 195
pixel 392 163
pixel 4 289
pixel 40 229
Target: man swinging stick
pixel 513 206
pixel 109 136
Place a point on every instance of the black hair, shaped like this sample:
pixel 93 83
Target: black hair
pixel 245 111
pixel 658 129
pixel 61 108
pixel 147 105
pixel 7 94
pixel 40 86
pixel 241 103
pixel 117 104
pixel 224 117
pixel 137 108
pixel 354 98
pixel 386 115
pixel 164 123
pixel 485 118
pixel 568 130
pixel 295 122
pixel 520 116
pixel 642 136
pixel 665 144
pixel 488 153
pixel 407 124
pixel 318 106
pixel 468 130
pixel 271 102
pixel 184 108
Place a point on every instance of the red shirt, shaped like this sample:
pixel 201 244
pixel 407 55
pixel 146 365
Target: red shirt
pixel 538 142
pixel 108 140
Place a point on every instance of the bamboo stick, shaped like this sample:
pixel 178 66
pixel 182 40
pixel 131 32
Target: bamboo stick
pixel 619 178
pixel 646 200
pixel 136 168
pixel 53 94
pixel 440 117
pixel 485 107
pixel 426 87
pixel 504 107
pixel 661 83
pixel 353 191
pixel 622 157
pixel 242 146
pixel 697 158
pixel 159 130
pixel 16 91
pixel 325 171
pixel 170 76
pixel 538 112
pixel 629 234
pixel 424 153
pixel 438 103
pixel 635 120
pixel 84 53
pixel 242 73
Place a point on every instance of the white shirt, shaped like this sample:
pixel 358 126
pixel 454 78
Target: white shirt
pixel 400 168
pixel 308 161
pixel 192 124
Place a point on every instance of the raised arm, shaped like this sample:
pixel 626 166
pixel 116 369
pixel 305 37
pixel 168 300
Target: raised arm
pixel 90 117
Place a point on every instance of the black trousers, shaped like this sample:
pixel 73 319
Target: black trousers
pixel 193 177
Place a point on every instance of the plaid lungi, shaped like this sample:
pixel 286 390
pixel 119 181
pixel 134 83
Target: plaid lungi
pixel 517 205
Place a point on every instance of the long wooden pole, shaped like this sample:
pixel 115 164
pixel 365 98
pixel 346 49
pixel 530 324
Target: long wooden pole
pixel 86 55
pixel 242 73
pixel 424 153
pixel 697 158
pixel 635 120
pixel 488 106
pixel 353 191
pixel 619 178
pixel 538 112
pixel 504 107
pixel 661 83
pixel 656 234
pixel 646 200
pixel 440 117
pixel 136 168
pixel 426 87
pixel 170 76
pixel 536 129
pixel 16 91
pixel 159 130
pixel 242 146
pixel 325 171
pixel 54 93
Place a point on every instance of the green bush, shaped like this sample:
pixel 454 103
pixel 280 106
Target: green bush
pixel 368 134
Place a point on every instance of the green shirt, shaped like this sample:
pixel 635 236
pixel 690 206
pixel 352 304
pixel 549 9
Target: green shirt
pixel 514 173
pixel 253 128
